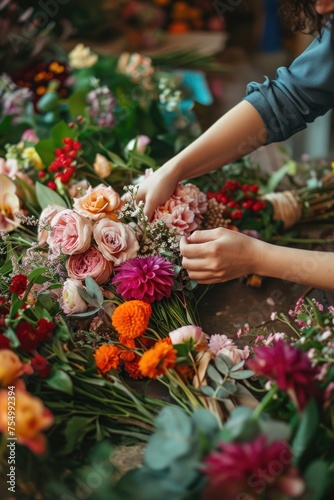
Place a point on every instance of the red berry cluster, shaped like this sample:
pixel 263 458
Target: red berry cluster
pixel 64 165
pixel 237 199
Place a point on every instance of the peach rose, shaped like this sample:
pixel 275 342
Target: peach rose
pixel 11 368
pixel 90 263
pixel 71 300
pixel 71 234
pixel 98 202
pixel 45 220
pixel 177 216
pixel 190 332
pixel 31 417
pixel 102 166
pixel 116 241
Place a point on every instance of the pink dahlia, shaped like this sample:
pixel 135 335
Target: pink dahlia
pixel 289 367
pixel 251 470
pixel 144 278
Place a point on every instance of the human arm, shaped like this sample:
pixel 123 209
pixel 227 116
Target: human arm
pixel 220 255
pixel 240 131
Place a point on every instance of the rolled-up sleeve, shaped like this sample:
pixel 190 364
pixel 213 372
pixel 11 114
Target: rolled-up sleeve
pixel 298 94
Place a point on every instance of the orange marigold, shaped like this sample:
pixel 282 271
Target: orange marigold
pixel 132 369
pixel 107 357
pixel 158 360
pixel 131 318
pixel 127 354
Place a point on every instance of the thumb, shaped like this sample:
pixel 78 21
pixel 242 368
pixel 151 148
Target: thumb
pixel 203 236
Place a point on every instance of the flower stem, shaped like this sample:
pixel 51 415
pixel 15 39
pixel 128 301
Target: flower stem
pixel 264 402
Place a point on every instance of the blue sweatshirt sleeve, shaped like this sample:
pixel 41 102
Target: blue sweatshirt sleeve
pixel 298 94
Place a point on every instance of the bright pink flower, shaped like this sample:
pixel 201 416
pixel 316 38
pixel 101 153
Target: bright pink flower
pixel 289 367
pixel 251 470
pixel 90 263
pixel 144 278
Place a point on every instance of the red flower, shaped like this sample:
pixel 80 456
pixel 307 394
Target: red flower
pixel 45 329
pixel 251 470
pixel 19 284
pixel 4 342
pixel 27 336
pixel 289 367
pixel 41 365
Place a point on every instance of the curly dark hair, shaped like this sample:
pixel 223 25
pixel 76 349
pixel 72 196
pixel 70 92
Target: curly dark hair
pixel 300 15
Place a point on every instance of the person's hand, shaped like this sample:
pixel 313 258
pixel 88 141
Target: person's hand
pixel 218 255
pixel 156 189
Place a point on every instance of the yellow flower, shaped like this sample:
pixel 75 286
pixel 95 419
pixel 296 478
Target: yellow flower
pixel 33 157
pixel 9 205
pixel 82 57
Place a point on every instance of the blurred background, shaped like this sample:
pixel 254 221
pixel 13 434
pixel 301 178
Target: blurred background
pixel 243 40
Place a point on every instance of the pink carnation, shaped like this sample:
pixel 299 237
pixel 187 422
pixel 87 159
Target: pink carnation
pixel 144 278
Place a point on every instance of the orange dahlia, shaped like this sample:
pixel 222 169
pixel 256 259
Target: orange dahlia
pixel 131 318
pixel 132 369
pixel 158 360
pixel 107 357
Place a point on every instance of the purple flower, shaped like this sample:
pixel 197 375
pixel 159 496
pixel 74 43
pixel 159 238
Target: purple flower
pixel 289 367
pixel 251 470
pixel 144 278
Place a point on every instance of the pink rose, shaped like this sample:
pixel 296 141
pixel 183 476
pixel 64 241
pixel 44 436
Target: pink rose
pixel 90 263
pixel 190 332
pixel 190 194
pixel 45 220
pixel 71 233
pixel 236 355
pixel 99 202
pixel 116 241
pixel 71 300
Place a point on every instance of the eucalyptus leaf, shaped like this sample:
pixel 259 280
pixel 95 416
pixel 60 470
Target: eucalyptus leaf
pixel 94 290
pixel 207 390
pixel 88 298
pixel 242 374
pixel 226 359
pixel 84 314
pixel 205 421
pixel 221 365
pixel 238 366
pixel 47 196
pixel 214 375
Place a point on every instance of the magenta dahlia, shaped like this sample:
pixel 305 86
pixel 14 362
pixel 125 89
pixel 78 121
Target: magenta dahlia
pixel 251 471
pixel 289 367
pixel 144 278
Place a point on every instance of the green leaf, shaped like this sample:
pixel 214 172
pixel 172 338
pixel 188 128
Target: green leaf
pixel 316 478
pixel 35 273
pixel 214 375
pixel 242 374
pixel 11 335
pixel 306 429
pixel 46 150
pixel 46 300
pixel 226 359
pixel 205 421
pixel 59 132
pixel 278 176
pixel 46 196
pixel 94 290
pixel 75 431
pixel 77 103
pixel 87 298
pixel 60 381
pixel 238 366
